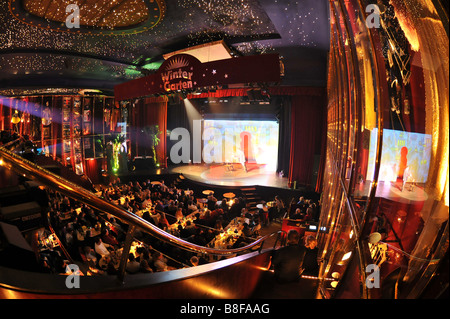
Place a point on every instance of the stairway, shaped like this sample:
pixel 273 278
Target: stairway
pixel 251 197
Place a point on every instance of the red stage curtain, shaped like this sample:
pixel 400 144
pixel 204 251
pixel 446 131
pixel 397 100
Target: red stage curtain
pixel 146 113
pixel 307 116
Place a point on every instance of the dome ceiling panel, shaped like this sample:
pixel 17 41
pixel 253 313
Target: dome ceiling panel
pixel 130 51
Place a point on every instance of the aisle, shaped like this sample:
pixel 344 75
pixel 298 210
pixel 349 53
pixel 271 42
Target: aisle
pixel 269 229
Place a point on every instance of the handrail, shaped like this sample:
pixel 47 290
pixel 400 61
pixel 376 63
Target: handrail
pixel 17 284
pixel 32 171
pixel 12 143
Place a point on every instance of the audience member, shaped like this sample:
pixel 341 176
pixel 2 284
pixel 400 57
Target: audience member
pixel 101 248
pixel 132 265
pixel 287 261
pixel 310 261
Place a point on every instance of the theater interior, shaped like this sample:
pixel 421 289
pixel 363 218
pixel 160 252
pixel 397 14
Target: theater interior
pixel 189 137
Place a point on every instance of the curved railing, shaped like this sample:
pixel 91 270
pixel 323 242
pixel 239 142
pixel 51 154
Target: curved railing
pixel 32 171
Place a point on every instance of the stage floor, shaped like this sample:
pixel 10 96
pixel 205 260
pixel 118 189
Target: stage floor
pixel 220 174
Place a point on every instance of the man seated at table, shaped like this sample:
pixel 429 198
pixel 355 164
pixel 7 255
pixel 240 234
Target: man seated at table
pixel 101 248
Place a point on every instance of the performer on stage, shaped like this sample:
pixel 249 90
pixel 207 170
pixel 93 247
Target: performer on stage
pixel 242 160
pixel 406 177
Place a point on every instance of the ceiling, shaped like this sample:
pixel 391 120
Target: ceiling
pixel 38 51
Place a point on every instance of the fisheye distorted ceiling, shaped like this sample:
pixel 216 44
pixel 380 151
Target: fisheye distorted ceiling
pixel 115 43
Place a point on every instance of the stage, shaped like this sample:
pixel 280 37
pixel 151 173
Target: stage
pixel 393 191
pixel 231 175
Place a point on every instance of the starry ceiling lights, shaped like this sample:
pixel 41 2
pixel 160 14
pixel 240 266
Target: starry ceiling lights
pixel 102 17
pixel 29 51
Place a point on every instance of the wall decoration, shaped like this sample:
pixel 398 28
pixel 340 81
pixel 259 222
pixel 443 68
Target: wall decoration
pixel 87 119
pixel 76 137
pixel 66 129
pixel 46 120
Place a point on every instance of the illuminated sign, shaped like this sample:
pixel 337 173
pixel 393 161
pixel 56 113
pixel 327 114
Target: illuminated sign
pixel 185 72
pixel 177 73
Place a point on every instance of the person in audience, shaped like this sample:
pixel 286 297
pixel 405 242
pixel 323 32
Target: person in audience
pixel 133 266
pixel 179 214
pixel 211 204
pixel 310 263
pixel 163 222
pixel 90 255
pixel 145 262
pixel 247 231
pixel 309 213
pixel 147 202
pixel 194 261
pixel 281 209
pixel 70 240
pixel 111 268
pixel 287 261
pixel 160 262
pixel 198 238
pixel 301 203
pixel 101 248
pixel 218 225
pixel 190 228
pixel 297 215
pixel 109 239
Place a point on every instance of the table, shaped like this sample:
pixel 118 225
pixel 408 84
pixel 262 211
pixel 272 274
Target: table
pixel 229 236
pixel 174 227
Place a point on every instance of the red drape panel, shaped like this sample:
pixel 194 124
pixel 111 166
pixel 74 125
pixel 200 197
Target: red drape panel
pixel 146 113
pixel 92 169
pixel 307 113
pixel 2 125
pixel 323 154
pixel 417 94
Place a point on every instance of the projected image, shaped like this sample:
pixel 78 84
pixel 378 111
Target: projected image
pixel 228 141
pixel 403 153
